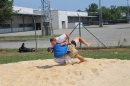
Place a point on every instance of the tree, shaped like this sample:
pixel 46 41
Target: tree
pixel 112 13
pixel 116 13
pixel 78 10
pixel 6 11
pixel 93 9
pixel 123 8
pixel 106 13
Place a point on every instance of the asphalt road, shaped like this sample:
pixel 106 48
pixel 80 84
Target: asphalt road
pixel 110 35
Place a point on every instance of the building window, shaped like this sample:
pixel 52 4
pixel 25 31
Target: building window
pixel 29 25
pixel 25 25
pixel 4 26
pixel 21 25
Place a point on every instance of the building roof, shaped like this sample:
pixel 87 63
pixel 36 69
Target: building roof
pixel 31 11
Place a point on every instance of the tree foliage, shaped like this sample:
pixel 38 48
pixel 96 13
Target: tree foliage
pixel 6 11
pixel 79 10
pixel 123 8
pixel 111 13
pixel 106 13
pixel 93 9
pixel 116 13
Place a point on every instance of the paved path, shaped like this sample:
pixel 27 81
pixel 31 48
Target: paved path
pixel 112 35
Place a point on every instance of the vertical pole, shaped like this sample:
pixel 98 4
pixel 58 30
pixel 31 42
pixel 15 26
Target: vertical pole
pixel 80 30
pixel 38 37
pixel 11 26
pixel 41 19
pixel 100 15
pixel 35 31
pixel 23 24
pixel 127 12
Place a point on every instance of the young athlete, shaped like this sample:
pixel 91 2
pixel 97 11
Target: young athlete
pixel 61 49
pixel 61 39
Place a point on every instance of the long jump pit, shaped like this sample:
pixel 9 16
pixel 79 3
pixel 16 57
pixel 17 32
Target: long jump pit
pixel 95 72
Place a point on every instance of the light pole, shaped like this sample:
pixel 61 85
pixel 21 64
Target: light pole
pixel 46 23
pixel 35 30
pixel 100 15
pixel 128 12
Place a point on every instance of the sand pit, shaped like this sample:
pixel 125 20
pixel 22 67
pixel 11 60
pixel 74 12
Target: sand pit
pixel 95 72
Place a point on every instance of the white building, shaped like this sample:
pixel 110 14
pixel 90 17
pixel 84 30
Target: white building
pixel 66 19
pixel 60 20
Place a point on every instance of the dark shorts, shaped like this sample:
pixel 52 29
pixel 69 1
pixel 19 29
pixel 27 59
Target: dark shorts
pixel 73 42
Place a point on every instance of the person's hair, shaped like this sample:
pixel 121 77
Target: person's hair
pixel 52 39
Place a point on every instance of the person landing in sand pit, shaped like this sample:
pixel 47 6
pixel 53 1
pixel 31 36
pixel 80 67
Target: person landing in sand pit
pixel 61 49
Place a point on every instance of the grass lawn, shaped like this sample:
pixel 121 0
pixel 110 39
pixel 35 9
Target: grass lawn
pixel 12 55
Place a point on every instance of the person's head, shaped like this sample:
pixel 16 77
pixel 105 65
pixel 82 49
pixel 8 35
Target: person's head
pixel 53 41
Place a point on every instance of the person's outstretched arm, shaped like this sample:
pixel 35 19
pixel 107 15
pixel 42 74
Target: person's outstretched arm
pixel 68 38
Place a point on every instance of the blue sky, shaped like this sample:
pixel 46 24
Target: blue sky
pixel 70 5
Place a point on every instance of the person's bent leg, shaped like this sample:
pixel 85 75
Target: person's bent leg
pixel 59 60
pixel 68 59
pixel 81 40
pixel 80 58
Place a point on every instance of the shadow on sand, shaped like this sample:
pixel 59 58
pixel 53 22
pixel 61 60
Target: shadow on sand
pixel 50 66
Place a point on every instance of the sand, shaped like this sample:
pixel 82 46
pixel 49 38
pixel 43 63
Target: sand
pixel 95 72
